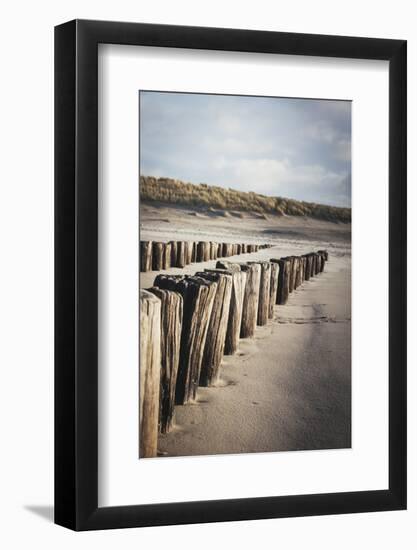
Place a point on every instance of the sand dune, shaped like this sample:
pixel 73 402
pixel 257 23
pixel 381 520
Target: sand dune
pixel 234 226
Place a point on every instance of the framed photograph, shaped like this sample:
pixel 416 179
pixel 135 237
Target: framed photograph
pixel 230 253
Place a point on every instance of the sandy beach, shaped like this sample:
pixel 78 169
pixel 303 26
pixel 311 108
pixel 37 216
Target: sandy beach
pixel 289 387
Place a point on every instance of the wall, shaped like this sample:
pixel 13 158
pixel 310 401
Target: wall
pixel 26 183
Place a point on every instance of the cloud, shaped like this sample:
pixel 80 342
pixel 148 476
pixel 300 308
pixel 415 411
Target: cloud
pixel 275 146
pixel 282 178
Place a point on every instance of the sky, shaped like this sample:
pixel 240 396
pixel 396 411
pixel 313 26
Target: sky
pixel 293 148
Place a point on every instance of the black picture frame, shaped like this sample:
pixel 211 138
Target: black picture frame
pixel 76 272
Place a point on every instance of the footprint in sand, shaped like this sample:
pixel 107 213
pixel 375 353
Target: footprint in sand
pixel 226 383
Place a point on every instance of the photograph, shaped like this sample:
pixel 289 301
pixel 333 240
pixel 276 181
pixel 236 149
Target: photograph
pixel 245 274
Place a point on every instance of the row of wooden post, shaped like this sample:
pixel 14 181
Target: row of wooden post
pixel 155 256
pixel 188 322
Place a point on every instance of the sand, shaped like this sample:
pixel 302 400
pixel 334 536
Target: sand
pixel 165 222
pixel 289 387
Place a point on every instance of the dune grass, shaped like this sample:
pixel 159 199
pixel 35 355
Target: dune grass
pixel 210 196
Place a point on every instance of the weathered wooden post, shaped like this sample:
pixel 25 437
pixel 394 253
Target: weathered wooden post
pixel 325 254
pixel 174 246
pixel 200 252
pixel 204 251
pixel 181 245
pixel 145 256
pixel 236 305
pixel 283 280
pixel 298 273
pixel 319 259
pixel 307 274
pixel 251 299
pixel 323 258
pixel 216 332
pixel 198 295
pixel 313 265
pixel 264 292
pixel 149 372
pixel 188 253
pixel 293 272
pixel 316 264
pixel 303 268
pixel 157 256
pixel 166 259
pixel 273 288
pixel 194 252
pixel 227 264
pixel 304 260
pixel 171 323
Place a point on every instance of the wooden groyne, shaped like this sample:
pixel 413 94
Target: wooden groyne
pixel 188 322
pixel 156 256
pixel 198 295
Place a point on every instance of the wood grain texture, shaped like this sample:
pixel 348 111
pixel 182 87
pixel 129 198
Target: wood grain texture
pixel 157 256
pixel 226 264
pixel 166 260
pixel 291 273
pixel 325 254
pixel 251 299
pixel 189 248
pixel 198 295
pixel 150 372
pixel 145 256
pixel 283 279
pixel 181 254
pixel 174 246
pixel 273 289
pixel 217 329
pixel 236 304
pixel 171 324
pixel 264 293
pixel 298 272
